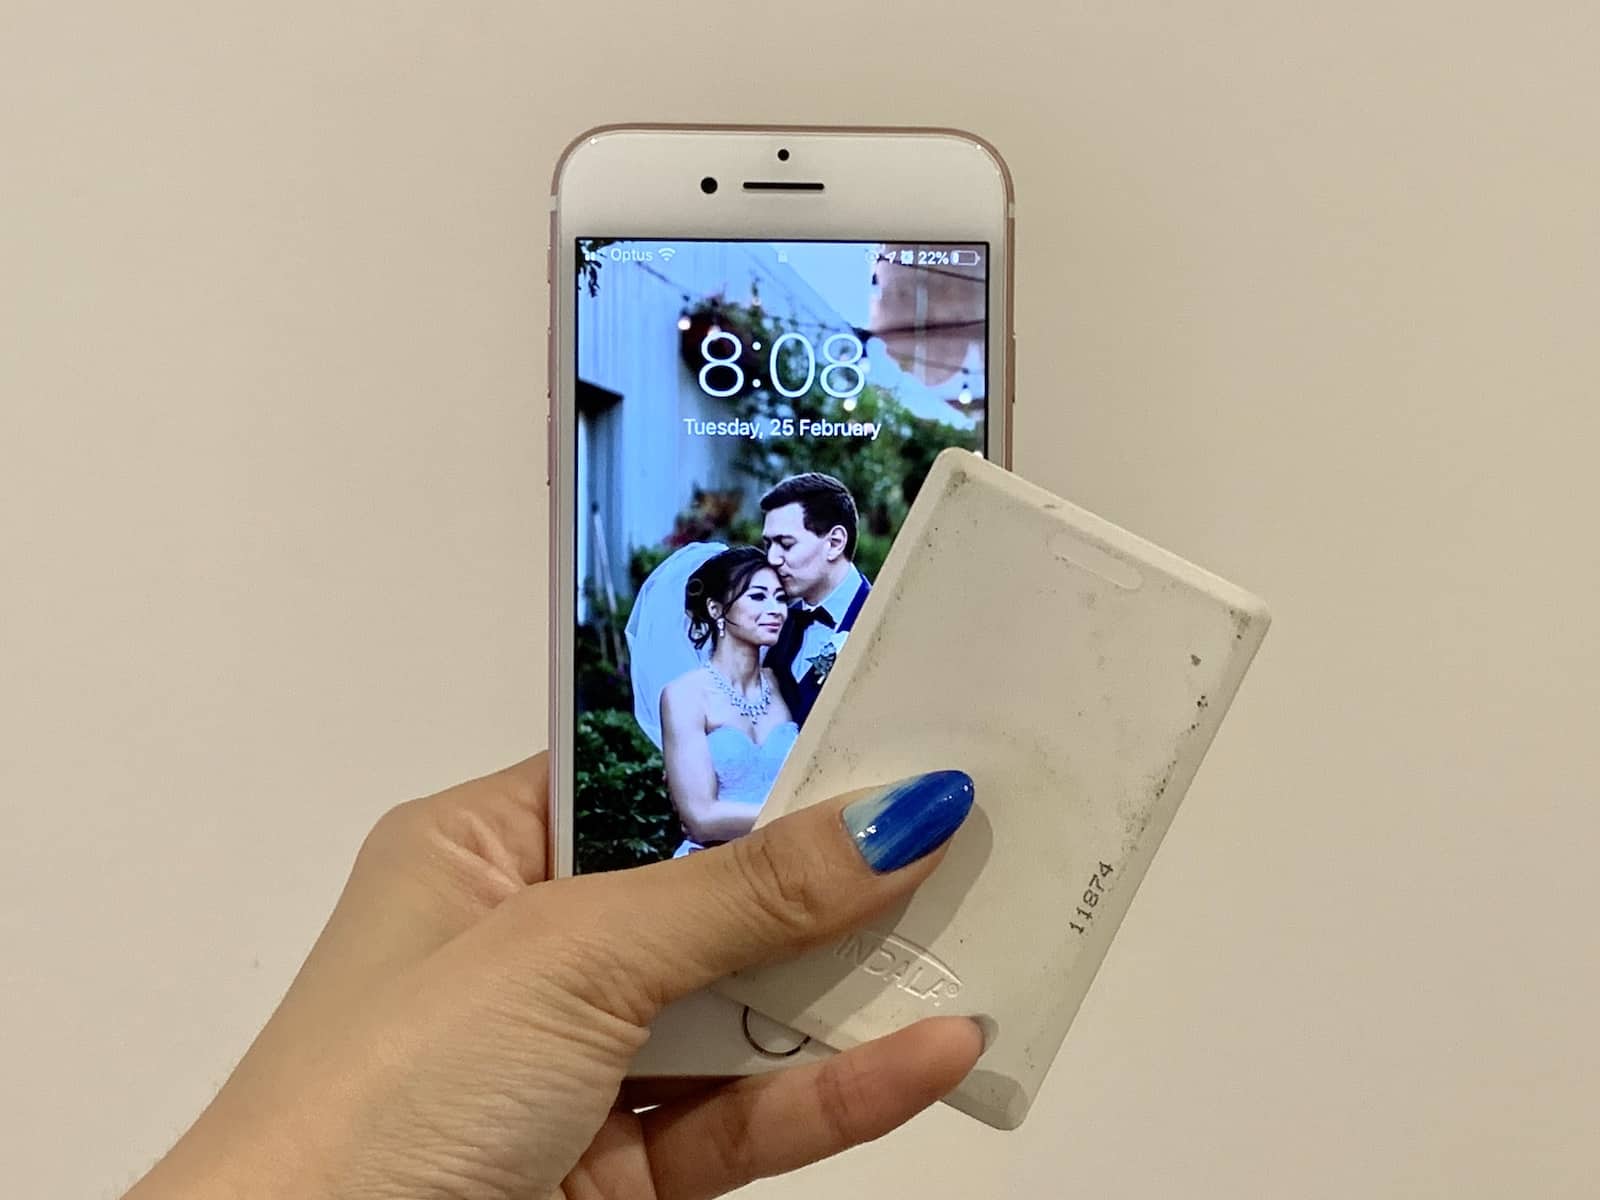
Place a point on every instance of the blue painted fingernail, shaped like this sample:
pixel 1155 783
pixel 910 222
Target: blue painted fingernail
pixel 897 825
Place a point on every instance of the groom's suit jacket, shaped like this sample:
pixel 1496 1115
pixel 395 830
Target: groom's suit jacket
pixel 800 694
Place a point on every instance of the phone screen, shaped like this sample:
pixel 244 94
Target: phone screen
pixel 753 420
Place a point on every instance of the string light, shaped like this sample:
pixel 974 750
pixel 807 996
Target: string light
pixel 815 325
pixel 683 323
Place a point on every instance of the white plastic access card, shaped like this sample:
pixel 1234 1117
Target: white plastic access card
pixel 1078 674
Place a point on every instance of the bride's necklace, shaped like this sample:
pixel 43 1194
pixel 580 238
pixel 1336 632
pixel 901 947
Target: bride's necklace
pixel 745 708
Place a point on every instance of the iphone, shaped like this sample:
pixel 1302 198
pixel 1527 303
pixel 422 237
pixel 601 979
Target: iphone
pixel 760 339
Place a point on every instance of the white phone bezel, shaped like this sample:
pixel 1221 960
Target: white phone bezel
pixel 879 184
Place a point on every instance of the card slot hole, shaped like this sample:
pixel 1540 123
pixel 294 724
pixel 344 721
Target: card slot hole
pixel 1088 557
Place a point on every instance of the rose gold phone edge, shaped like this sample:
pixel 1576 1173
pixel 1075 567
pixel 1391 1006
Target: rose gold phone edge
pixel 559 717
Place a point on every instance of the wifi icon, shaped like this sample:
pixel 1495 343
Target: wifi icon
pixel 666 253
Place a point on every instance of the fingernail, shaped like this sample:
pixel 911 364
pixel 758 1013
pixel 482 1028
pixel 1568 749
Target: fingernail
pixel 897 825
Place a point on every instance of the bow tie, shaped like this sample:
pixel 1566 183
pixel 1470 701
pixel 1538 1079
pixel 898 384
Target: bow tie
pixel 804 617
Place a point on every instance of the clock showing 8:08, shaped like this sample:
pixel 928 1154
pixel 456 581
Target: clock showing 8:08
pixel 793 365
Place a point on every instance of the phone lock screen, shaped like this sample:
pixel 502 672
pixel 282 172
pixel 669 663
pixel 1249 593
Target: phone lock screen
pixel 754 419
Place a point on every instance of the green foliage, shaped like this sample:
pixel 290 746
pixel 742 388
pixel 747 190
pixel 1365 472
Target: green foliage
pixel 646 559
pixel 709 518
pixel 589 268
pixel 620 795
pixel 871 550
pixel 600 680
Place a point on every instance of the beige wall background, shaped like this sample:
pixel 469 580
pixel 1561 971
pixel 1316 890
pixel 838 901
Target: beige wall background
pixel 1306 292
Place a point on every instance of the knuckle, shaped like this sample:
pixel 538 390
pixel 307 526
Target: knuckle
pixel 593 970
pixel 783 885
pixel 393 832
pixel 586 948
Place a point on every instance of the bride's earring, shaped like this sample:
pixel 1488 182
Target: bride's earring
pixel 722 625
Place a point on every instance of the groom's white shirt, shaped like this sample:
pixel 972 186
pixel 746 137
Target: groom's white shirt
pixel 816 636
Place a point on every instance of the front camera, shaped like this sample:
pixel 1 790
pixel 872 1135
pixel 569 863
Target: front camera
pixel 708 185
pixel 783 155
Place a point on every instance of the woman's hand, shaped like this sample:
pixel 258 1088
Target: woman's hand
pixel 462 1028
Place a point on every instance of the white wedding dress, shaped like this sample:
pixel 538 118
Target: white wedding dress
pixel 746 770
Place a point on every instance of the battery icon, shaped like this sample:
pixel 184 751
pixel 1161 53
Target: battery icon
pixel 906 257
pixel 964 258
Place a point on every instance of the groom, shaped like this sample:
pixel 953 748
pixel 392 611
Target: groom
pixel 810 538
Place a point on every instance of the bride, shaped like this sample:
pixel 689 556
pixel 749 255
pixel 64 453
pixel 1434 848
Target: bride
pixel 695 641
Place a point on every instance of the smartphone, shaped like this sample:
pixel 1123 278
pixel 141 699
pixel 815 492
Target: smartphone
pixel 760 339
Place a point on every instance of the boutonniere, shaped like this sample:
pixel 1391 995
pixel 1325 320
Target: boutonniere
pixel 823 662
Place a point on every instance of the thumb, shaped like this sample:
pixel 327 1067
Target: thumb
pixel 783 888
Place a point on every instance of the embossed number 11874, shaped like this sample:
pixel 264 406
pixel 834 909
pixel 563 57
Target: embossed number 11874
pixel 1091 897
